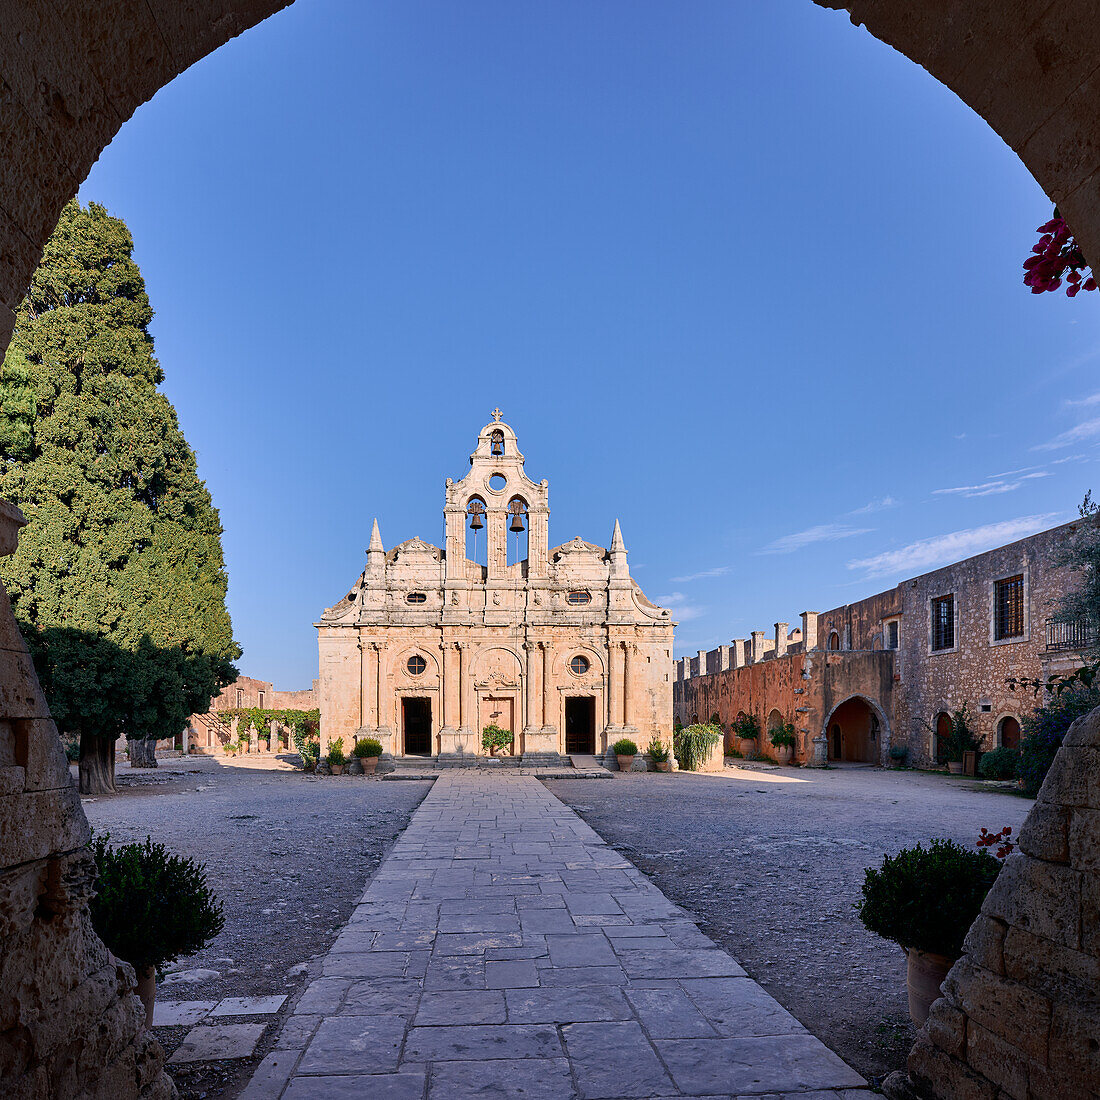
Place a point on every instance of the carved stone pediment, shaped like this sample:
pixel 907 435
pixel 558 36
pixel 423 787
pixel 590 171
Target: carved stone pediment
pixel 414 550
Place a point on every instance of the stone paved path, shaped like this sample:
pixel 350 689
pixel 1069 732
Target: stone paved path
pixel 504 950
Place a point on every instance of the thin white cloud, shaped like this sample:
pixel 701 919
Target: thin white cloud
pixel 875 506
pixel 823 532
pixel 927 553
pixel 719 571
pixel 1083 402
pixel 992 487
pixel 1087 429
pixel 682 609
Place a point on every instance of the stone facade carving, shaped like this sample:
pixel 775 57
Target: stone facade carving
pixel 562 647
pixel 70 1025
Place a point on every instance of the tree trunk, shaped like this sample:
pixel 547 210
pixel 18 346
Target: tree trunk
pixel 97 765
pixel 143 754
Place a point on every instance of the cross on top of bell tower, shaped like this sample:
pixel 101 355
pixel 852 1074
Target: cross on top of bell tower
pixel 497 414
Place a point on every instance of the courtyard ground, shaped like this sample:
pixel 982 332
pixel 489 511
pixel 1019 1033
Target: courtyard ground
pixel 289 855
pixel 771 862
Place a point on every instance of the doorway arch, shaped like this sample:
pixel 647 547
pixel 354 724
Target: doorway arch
pixel 856 730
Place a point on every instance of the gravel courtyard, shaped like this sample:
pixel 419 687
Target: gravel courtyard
pixel 288 854
pixel 771 860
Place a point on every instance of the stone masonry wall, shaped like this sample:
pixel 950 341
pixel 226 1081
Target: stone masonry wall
pixel 1020 1015
pixel 70 1026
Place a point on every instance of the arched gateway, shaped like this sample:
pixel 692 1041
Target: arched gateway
pixel 857 730
pixel 560 648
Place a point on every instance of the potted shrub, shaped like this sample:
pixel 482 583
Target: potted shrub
pixel 782 739
pixel 925 899
pixel 658 753
pixel 625 750
pixel 746 728
pixel 336 758
pixel 693 745
pixel 367 750
pixel 231 748
pixel 959 741
pixel 899 754
pixel 493 738
pixel 151 907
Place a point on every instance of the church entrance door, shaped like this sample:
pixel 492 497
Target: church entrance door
pixel 580 724
pixel 416 726
pixel 497 710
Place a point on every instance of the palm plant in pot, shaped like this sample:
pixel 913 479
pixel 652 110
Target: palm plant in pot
pixel 782 739
pixel 151 908
pixel 336 758
pixel 925 900
pixel 659 754
pixel 367 750
pixel 625 750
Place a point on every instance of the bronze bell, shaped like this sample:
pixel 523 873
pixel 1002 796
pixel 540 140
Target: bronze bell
pixel 497 447
pixel 516 508
pixel 476 522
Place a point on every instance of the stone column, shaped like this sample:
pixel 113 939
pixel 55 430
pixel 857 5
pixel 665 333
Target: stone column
pixel 464 733
pixel 781 630
pixel 384 733
pixel 628 687
pixel 531 725
pixel 737 652
pixel 448 742
pixel 757 646
pixel 614 692
pixel 702 664
pixel 723 658
pixel 548 712
pixel 809 631
pixel 364 687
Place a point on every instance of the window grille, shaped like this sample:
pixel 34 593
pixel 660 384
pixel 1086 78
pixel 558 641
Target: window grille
pixel 1008 608
pixel 579 665
pixel 416 664
pixel 415 597
pixel 943 622
pixel 579 597
pixel 892 635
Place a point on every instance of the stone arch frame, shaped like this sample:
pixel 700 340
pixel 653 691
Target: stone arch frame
pixel 1025 68
pixel 942 710
pixel 401 657
pixel 568 683
pixel 885 728
pixel 829 647
pixel 999 724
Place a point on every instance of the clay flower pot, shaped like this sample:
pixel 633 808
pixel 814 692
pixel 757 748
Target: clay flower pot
pixel 923 978
pixel 625 762
pixel 337 769
pixel 747 747
pixel 663 765
pixel 955 767
pixel 783 754
pixel 147 990
pixel 370 764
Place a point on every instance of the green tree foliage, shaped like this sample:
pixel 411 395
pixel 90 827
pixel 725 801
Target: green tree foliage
pixel 1046 728
pixel 123 543
pixel 1082 556
pixel 123 539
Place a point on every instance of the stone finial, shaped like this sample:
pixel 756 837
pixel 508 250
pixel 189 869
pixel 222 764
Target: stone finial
pixel 781 630
pixel 375 546
pixel 617 544
pixel 757 646
pixel 809 630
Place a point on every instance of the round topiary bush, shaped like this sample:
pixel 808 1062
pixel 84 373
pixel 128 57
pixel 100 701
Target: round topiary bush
pixel 1000 763
pixel 927 898
pixel 624 747
pixel 151 907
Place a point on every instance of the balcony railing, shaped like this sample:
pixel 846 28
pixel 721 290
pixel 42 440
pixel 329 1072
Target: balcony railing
pixel 1071 635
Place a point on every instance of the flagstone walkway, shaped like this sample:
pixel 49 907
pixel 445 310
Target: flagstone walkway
pixel 504 950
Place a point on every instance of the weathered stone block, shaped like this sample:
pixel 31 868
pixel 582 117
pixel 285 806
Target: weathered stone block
pixel 1071 780
pixel 20 695
pixel 1085 732
pixel 1043 898
pixel 1084 839
pixel 12 780
pixel 997 1060
pixel 1090 915
pixel 34 824
pixel 38 749
pixel 936 1073
pixel 1075 1042
pixel 1004 1007
pixel 19 890
pixel 1045 833
pixel 984 943
pixel 1049 968
pixel 946 1027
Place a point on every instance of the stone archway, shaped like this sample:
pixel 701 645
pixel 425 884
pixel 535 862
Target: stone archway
pixel 70 76
pixel 857 730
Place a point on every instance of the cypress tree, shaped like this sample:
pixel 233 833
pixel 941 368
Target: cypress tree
pixel 123 541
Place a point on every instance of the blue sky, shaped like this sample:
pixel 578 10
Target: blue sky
pixel 737 273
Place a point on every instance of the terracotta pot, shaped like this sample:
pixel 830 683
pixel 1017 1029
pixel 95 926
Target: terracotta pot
pixel 337 769
pixel 147 991
pixel 923 978
pixel 747 746
pixel 955 767
pixel 625 762
pixel 370 763
pixel 783 754
pixel 663 765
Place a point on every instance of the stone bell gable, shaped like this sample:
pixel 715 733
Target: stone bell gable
pixel 559 645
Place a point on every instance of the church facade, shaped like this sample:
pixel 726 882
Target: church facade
pixel 559 646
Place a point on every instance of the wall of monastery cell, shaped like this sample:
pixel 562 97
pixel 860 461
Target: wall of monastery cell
pixel 859 625
pixel 975 669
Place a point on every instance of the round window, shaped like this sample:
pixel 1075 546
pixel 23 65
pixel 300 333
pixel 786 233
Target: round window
pixel 579 665
pixel 497 482
pixel 415 597
pixel 416 664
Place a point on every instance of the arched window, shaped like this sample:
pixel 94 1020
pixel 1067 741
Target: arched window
pixel 477 542
pixel 1009 733
pixel 834 640
pixel 517 530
